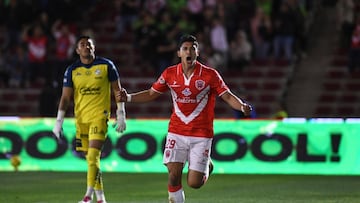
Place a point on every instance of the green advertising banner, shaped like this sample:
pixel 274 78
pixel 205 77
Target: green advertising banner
pixel 291 146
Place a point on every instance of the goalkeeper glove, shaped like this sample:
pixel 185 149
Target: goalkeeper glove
pixel 57 130
pixel 120 123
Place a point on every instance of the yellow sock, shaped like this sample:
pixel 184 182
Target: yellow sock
pixel 94 175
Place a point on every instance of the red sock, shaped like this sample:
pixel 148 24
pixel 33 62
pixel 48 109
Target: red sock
pixel 174 188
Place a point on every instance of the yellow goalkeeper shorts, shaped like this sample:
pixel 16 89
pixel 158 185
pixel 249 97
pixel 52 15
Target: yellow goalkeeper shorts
pixel 96 130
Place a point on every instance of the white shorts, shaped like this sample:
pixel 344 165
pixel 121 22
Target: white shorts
pixel 195 150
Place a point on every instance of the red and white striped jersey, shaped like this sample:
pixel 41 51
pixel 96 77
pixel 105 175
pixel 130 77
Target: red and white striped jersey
pixel 193 98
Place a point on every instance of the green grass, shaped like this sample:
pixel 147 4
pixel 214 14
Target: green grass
pixel 56 187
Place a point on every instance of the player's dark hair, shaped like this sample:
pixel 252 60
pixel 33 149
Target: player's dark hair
pixel 188 38
pixel 83 37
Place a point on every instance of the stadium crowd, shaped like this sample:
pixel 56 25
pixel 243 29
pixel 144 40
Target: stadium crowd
pixel 38 36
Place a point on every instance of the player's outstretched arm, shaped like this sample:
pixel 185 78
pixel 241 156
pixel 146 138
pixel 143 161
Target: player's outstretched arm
pixel 142 96
pixel 236 103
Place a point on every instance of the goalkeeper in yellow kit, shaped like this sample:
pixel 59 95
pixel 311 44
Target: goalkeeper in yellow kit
pixel 89 82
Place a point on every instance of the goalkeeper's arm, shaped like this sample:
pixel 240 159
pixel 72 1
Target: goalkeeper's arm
pixel 63 105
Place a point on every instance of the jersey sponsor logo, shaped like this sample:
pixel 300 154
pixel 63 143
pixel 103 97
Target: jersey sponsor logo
pixel 88 72
pixel 90 91
pixel 185 100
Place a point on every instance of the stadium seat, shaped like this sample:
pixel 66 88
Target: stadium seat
pixel 327 97
pixel 335 74
pixel 5 109
pixel 31 97
pixel 353 86
pixel 266 97
pixel 345 111
pixel 275 73
pixel 281 63
pixel 331 86
pixel 348 98
pixel 10 96
pixel 263 111
pixel 250 85
pixel 260 62
pixel 323 110
pixel 27 109
pixel 272 85
pixel 142 86
pixel 253 73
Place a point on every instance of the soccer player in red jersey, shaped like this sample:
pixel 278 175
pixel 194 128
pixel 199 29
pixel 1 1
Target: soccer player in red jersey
pixel 193 88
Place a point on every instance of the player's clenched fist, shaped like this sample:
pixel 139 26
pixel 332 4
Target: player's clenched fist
pixel 246 109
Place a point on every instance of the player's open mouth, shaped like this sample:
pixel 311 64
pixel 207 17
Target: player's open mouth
pixel 188 58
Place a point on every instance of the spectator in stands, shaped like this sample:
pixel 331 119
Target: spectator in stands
pixel 185 24
pixel 45 24
pixel 64 48
pixel 176 6
pixel 145 39
pixel 300 40
pixel 205 51
pixel 195 9
pixel 345 17
pixel 19 63
pixel 219 43
pixel 154 7
pixel 261 34
pixel 284 33
pixel 166 46
pixel 354 52
pixel 126 14
pixel 15 17
pixel 265 6
pixel 241 49
pixel 37 47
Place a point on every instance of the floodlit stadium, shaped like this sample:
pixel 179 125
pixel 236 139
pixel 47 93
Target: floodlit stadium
pixel 295 62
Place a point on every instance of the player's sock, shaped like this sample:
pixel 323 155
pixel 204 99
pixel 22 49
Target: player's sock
pixel 93 159
pixel 98 181
pixel 176 194
pixel 100 195
pixel 89 192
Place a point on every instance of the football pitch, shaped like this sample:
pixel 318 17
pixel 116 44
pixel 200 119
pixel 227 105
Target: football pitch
pixel 69 187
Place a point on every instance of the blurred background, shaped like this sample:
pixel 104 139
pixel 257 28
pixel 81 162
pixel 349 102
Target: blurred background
pixel 296 57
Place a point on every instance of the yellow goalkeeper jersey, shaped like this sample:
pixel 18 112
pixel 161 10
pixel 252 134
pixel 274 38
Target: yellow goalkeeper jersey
pixel 92 88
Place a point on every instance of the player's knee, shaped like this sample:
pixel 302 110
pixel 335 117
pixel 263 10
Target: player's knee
pixel 195 184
